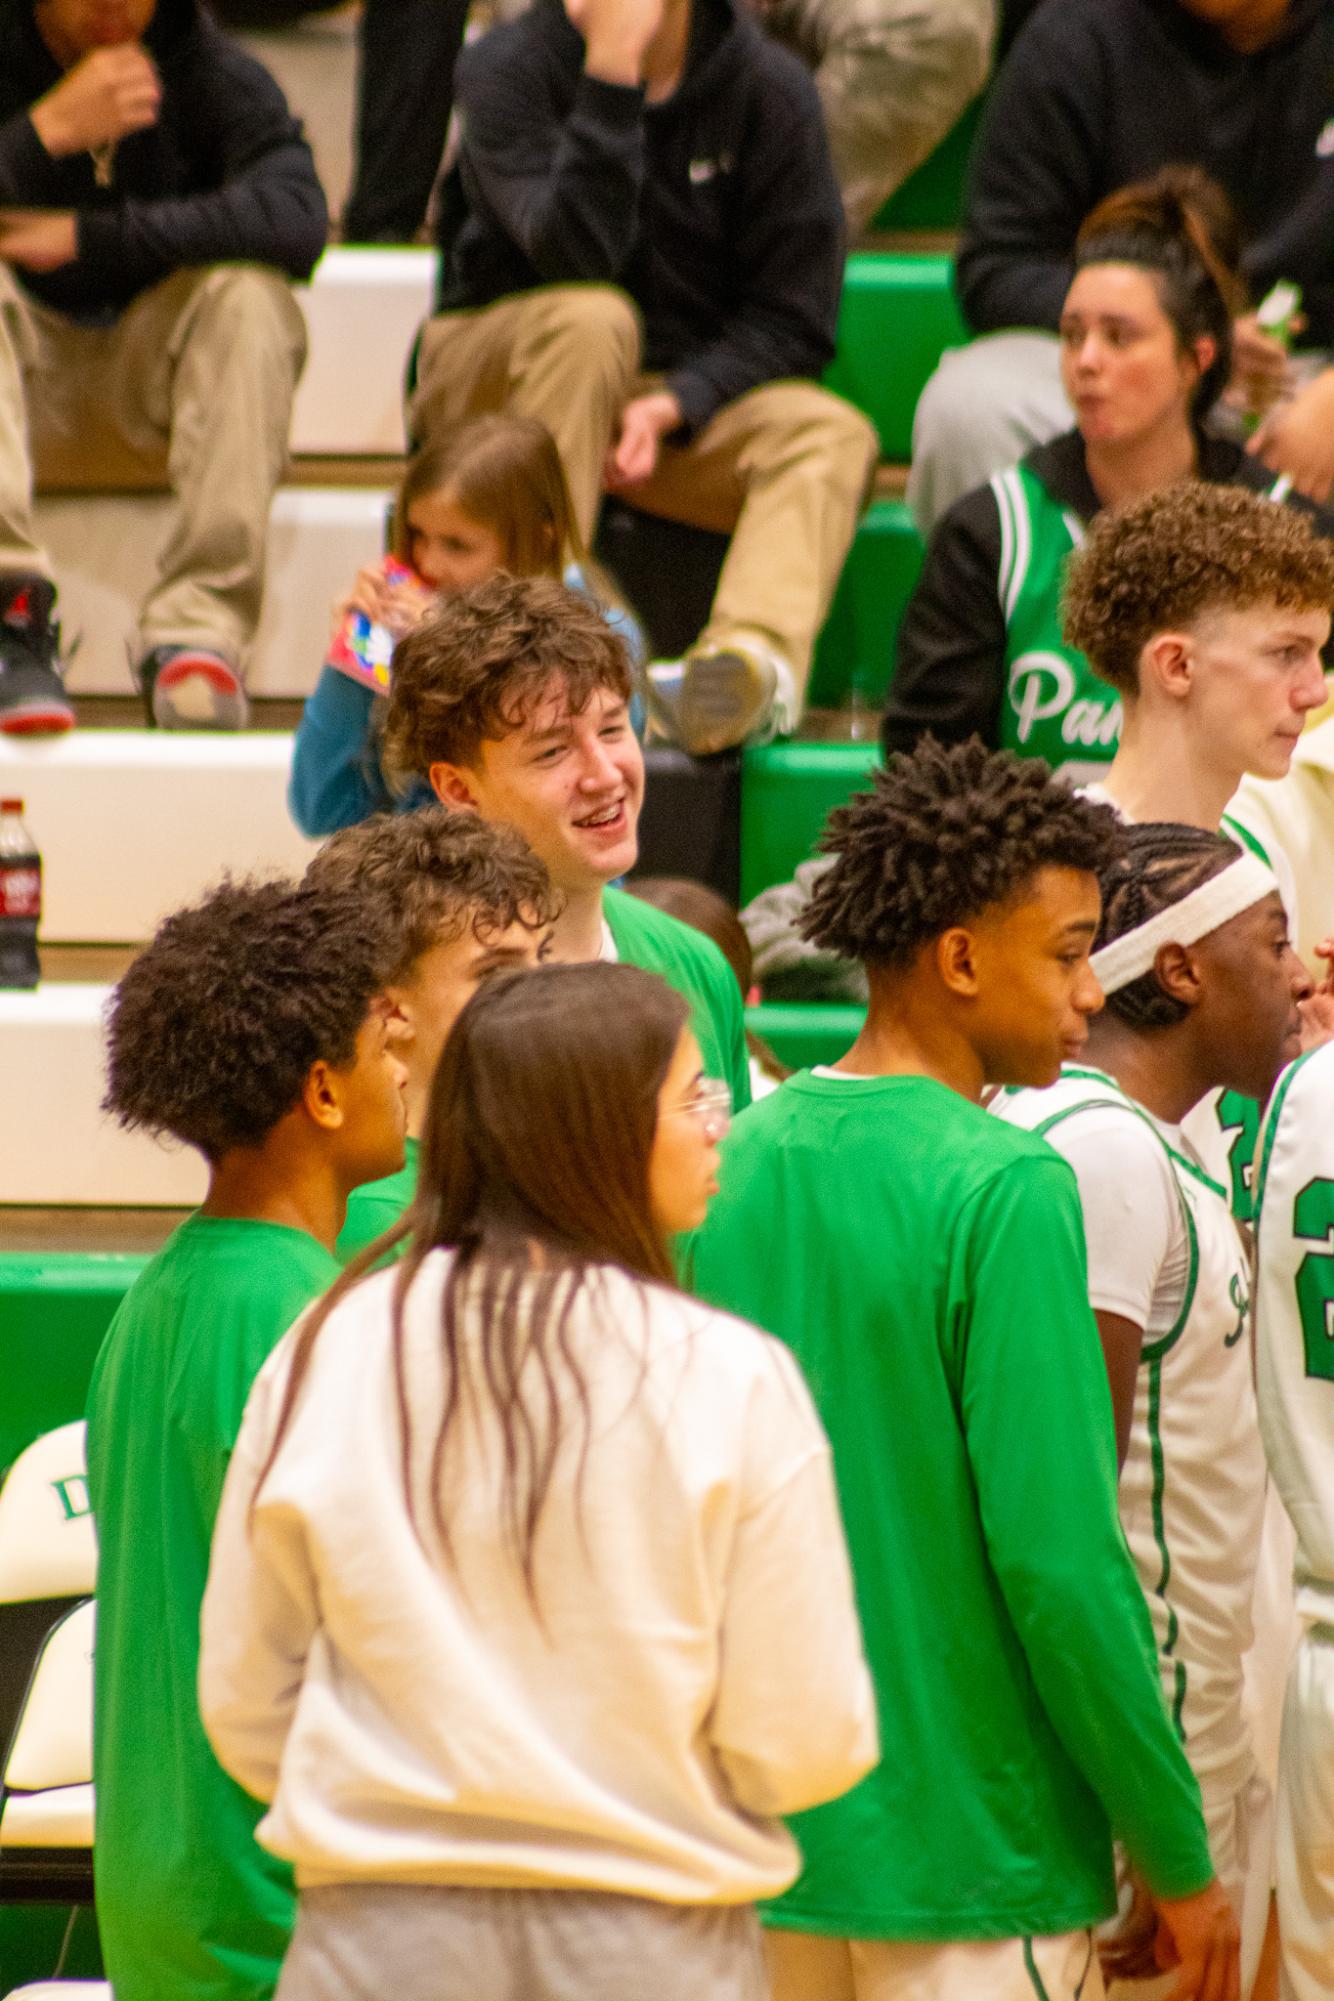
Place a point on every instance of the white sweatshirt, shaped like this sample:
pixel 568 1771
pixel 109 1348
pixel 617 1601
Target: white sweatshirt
pixel 698 1669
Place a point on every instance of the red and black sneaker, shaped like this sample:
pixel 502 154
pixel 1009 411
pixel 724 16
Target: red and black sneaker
pixel 192 688
pixel 33 701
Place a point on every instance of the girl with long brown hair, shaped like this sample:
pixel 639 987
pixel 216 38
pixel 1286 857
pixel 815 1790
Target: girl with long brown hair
pixel 529 1609
pixel 488 494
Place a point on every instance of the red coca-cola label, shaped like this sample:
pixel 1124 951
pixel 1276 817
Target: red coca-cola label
pixel 21 889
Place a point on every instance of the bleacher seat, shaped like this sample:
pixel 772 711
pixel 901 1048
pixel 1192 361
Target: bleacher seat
pixel 363 307
pixel 787 793
pixel 62 1990
pixel 804 1033
pixel 55 1308
pixel 932 196
pixel 46 1783
pixel 56 1144
pixel 855 654
pixel 898 316
pixel 133 823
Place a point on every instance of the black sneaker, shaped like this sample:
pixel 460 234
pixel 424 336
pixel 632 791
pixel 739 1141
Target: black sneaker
pixel 33 701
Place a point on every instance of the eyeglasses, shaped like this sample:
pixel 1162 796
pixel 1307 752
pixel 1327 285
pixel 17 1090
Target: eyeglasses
pixel 711 1104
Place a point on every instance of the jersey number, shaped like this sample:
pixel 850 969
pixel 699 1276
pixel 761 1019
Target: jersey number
pixel 1313 1217
pixel 1240 1116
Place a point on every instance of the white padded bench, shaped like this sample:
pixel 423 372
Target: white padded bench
pixel 133 823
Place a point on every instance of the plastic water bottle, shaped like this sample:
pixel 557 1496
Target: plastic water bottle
pixel 20 899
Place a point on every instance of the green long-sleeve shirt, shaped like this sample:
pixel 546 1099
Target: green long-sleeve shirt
pixel 926 1264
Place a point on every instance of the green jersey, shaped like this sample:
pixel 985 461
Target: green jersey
pixel 377 1205
pixel 691 963
pixel 189 1906
pixel 926 1265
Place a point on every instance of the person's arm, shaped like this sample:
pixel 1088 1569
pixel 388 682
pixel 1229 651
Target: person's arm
pixel 265 205
pixel 949 668
pixel 260 1613
pixel 1037 1419
pixel 334 780
pixel 565 186
pixel 788 255
pixel 1032 179
pixel 793 1723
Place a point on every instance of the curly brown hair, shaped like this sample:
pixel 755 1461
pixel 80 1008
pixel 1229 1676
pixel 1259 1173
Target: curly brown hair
pixel 214 1029
pixel 1188 549
pixel 472 671
pixel 944 834
pixel 431 875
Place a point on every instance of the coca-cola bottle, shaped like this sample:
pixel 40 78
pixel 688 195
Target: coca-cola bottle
pixel 20 899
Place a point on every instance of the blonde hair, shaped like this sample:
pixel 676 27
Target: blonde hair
pixel 505 473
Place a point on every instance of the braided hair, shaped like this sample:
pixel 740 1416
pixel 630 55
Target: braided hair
pixel 1161 863
pixel 943 835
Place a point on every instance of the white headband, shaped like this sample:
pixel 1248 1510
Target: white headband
pixel 1242 883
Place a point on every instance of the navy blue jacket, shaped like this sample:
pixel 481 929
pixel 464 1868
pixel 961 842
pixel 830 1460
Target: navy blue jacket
pixel 224 176
pixel 716 210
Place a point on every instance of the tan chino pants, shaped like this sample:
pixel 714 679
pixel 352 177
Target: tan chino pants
pixel 784 470
pixel 196 378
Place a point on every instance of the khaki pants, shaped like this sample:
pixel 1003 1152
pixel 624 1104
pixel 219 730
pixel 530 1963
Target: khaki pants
pixel 195 379
pixel 804 1967
pixel 784 470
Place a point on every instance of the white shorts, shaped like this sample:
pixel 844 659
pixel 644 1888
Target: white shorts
pixel 807 1967
pixel 1305 1846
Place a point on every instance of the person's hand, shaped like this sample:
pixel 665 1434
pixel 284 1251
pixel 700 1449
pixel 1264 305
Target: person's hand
pixel 1298 438
pixel 1259 367
pixel 38 239
pixel 1199 1936
pixel 645 422
pixel 616 36
pixel 1317 1010
pixel 399 604
pixel 105 96
pixel 1128 1954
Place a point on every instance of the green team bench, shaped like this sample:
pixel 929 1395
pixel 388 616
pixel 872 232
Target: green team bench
pixel 897 317
pixel 54 1309
pixel 932 195
pixel 804 1033
pixel 787 793
pixel 855 654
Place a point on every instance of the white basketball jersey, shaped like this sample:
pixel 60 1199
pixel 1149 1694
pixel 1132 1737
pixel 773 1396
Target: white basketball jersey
pixel 1295 1315
pixel 1193 1484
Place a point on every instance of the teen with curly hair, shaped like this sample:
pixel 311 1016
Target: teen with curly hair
pixel 1203 991
pixel 925 1264
pixel 463 901
pixel 512 702
pixel 529 1609
pixel 248 1029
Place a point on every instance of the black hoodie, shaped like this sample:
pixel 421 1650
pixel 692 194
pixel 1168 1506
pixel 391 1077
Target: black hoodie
pixel 1098 93
pixel 224 176
pixel 716 210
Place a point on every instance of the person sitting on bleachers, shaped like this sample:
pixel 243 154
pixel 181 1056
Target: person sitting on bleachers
pixel 488 495
pixel 643 246
pixel 1097 94
pixel 1146 349
pixel 513 701
pixel 156 196
pixel 894 77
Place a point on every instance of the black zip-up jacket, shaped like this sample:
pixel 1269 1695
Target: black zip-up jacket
pixel 949 671
pixel 717 210
pixel 1098 93
pixel 224 176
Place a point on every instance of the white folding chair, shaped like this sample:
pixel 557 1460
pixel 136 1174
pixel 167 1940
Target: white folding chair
pixel 46 1783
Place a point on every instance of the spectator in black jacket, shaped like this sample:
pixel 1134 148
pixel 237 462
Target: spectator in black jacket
pixel 644 248
pixel 1094 95
pixel 154 190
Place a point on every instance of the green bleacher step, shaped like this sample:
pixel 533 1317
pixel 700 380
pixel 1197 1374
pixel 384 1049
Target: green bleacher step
pixel 55 1308
pixel 804 1033
pixel 897 317
pixel 932 195
pixel 787 793
pixel 856 647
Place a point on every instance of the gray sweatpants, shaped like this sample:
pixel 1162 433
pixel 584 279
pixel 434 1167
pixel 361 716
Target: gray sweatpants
pixel 409 1942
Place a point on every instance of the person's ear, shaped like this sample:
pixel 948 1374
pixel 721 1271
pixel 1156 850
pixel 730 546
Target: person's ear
pixel 453 786
pixel 1177 972
pixel 1168 662
pixel 399 1008
pixel 322 1097
pixel 1203 352
pixel 956 962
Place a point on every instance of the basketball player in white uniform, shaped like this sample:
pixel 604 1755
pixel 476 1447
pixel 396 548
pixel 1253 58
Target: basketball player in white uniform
pixel 1295 1343
pixel 1202 990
